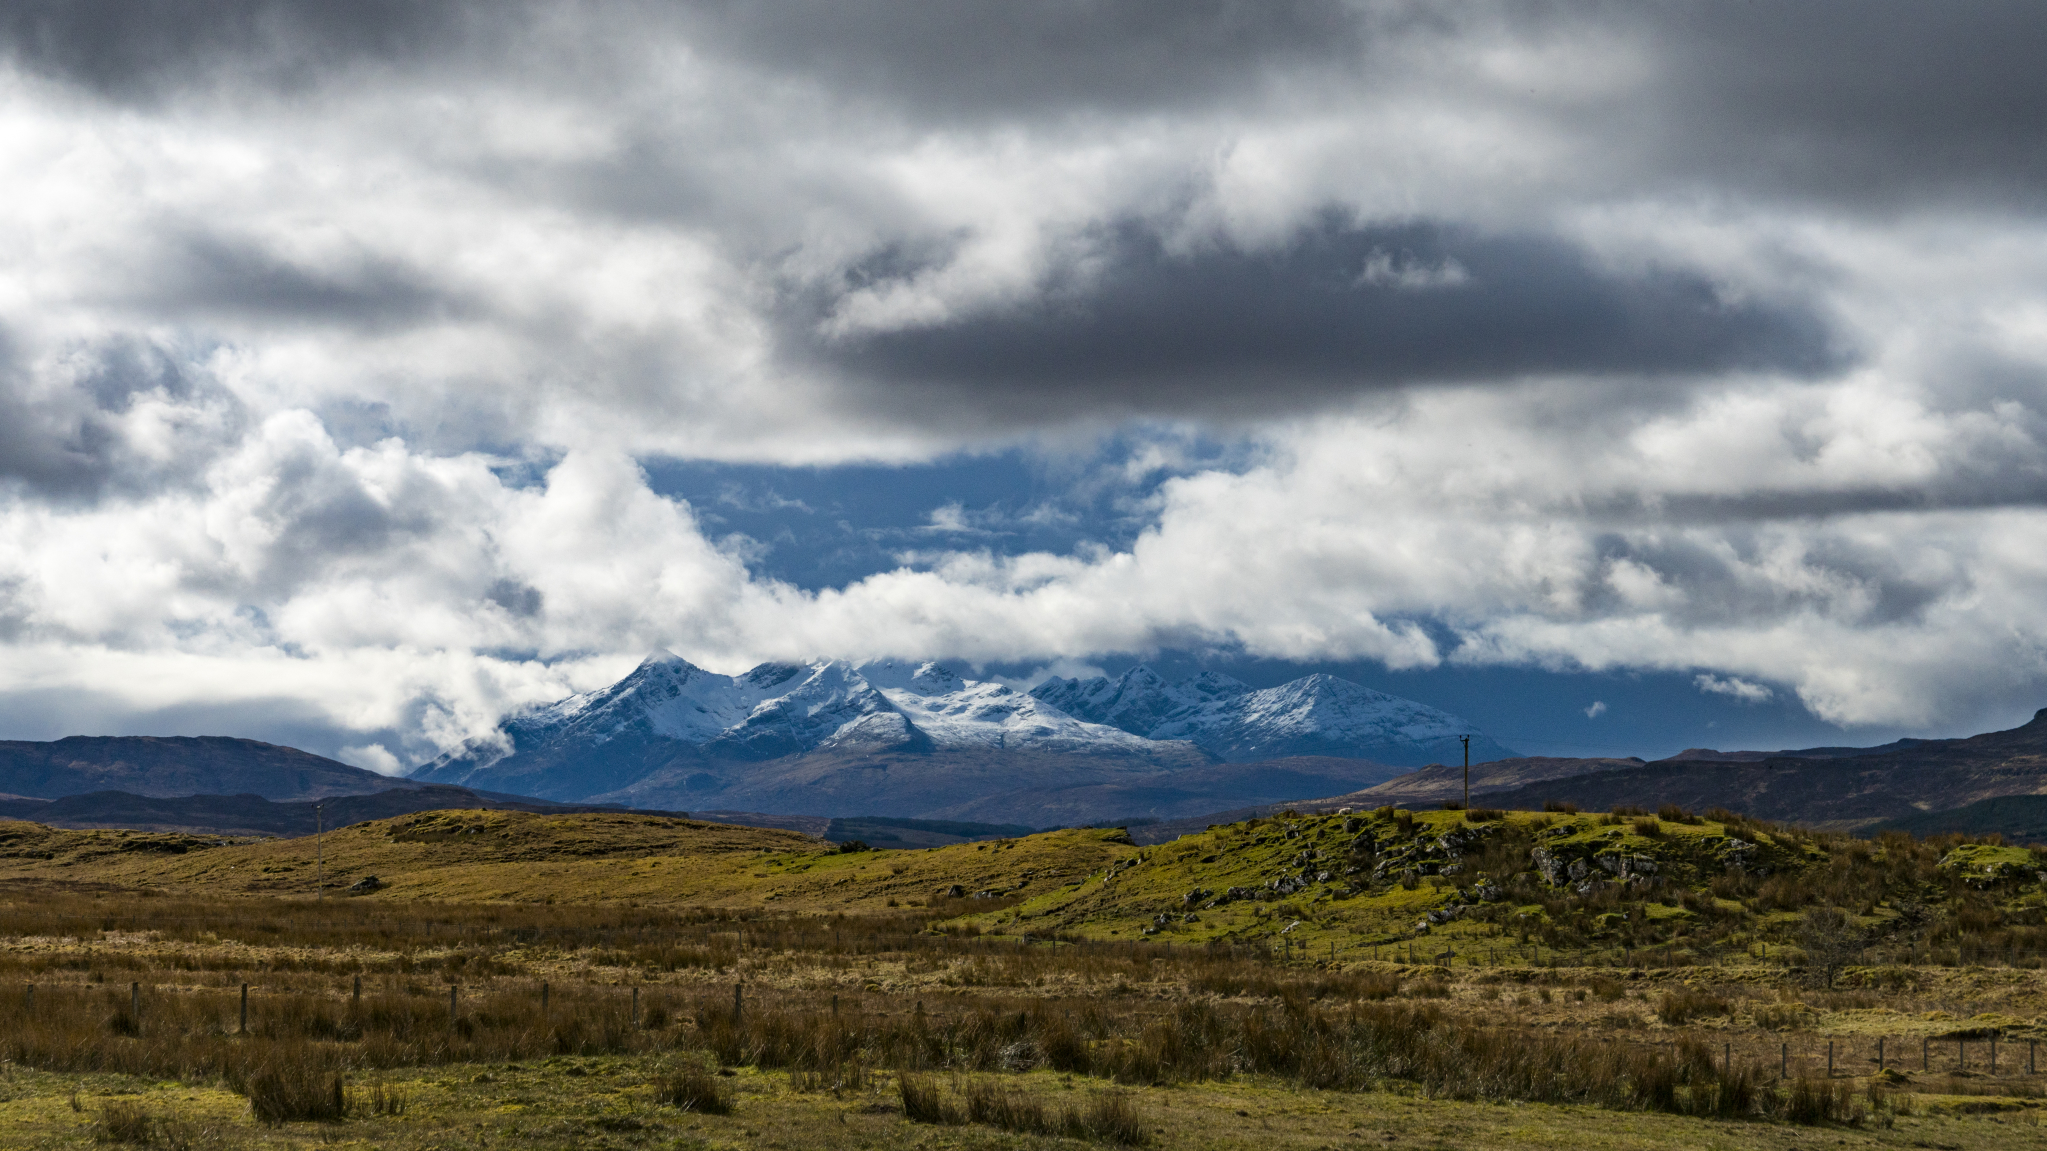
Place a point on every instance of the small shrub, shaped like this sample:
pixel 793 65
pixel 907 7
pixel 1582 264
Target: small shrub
pixel 1672 813
pixel 1484 814
pixel 693 1088
pixel 1560 806
pixel 1648 828
pixel 1624 810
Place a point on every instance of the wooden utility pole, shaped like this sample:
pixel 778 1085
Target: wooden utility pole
pixel 1467 771
pixel 320 849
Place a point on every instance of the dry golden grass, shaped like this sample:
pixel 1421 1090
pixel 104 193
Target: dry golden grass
pixel 608 947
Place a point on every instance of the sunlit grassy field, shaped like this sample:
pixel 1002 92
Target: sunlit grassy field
pixel 616 981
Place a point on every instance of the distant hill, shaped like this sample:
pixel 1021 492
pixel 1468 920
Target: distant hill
pixel 874 831
pixel 1433 785
pixel 2019 818
pixel 1841 788
pixel 242 815
pixel 515 855
pixel 178 765
pixel 1430 787
pixel 1810 752
pixel 1828 791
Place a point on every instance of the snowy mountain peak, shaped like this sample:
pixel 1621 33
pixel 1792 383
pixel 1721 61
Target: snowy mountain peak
pixel 1317 714
pixel 780 709
pixel 903 675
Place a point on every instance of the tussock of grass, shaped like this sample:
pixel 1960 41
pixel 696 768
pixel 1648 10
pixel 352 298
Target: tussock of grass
pixel 123 1123
pixel 693 1087
pixel 1686 1004
pixel 295 1086
pixel 1109 1117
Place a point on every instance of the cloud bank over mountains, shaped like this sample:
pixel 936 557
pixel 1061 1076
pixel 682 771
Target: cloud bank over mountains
pixel 337 342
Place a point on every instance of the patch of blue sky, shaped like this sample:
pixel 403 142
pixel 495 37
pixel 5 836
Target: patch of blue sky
pixel 826 527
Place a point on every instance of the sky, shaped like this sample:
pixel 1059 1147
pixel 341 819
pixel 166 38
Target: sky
pixel 1621 377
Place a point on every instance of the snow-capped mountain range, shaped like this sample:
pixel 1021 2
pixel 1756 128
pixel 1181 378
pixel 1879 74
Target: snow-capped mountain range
pixel 1313 715
pixel 890 736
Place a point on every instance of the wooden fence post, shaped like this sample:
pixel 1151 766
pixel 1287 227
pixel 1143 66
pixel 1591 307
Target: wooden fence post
pixel 358 991
pixel 245 1009
pixel 135 1002
pixel 1784 1062
pixel 738 1003
pixel 543 998
pixel 451 1007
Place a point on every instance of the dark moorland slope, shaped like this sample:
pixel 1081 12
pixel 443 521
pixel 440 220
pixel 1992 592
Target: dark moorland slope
pixel 254 815
pixel 178 765
pixel 1835 792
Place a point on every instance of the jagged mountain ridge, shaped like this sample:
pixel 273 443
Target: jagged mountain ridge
pixel 671 728
pixel 905 739
pixel 1317 715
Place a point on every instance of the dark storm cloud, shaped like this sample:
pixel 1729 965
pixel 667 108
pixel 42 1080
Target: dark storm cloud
pixel 1854 99
pixel 133 49
pixel 947 60
pixel 1336 310
pixel 1863 101
pixel 225 276
pixel 1875 102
